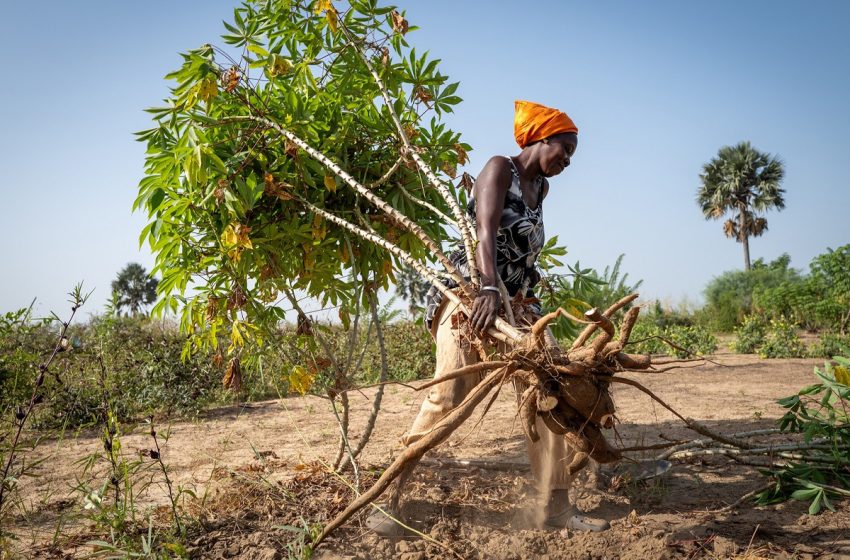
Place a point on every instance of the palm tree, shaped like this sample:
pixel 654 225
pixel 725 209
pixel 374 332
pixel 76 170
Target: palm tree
pixel 133 288
pixel 411 287
pixel 743 181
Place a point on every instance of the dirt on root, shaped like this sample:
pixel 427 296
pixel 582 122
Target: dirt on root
pixel 262 488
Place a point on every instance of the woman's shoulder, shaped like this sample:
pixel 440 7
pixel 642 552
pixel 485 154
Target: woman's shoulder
pixel 498 164
pixel 498 169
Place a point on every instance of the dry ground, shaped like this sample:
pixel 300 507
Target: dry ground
pixel 257 471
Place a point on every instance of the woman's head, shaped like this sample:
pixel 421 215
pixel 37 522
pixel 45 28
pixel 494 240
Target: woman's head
pixel 550 134
pixel 555 152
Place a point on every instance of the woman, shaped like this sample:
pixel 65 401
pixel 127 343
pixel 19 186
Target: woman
pixel 507 211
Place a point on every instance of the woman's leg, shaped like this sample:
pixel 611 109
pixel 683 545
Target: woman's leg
pixel 551 458
pixel 442 399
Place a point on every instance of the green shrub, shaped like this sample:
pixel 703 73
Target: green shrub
pixel 140 362
pixel 818 301
pixel 750 336
pixel 410 353
pixel 782 341
pixel 649 338
pixel 645 338
pixel 829 345
pixel 664 317
pixel 147 372
pixel 690 340
pixel 831 272
pixel 729 297
pixel 23 343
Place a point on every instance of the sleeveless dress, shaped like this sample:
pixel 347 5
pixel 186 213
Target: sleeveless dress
pixel 519 241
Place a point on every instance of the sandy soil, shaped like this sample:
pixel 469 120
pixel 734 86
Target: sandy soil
pixel 257 471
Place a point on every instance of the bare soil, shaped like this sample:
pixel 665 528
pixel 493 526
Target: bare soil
pixel 259 476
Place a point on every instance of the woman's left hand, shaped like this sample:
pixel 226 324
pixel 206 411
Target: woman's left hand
pixel 485 309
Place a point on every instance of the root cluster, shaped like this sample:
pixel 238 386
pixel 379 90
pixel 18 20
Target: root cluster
pixel 567 389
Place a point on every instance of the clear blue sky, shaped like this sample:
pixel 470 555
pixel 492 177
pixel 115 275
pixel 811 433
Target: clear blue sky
pixel 655 88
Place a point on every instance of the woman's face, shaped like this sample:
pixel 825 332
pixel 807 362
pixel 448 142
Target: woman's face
pixel 556 152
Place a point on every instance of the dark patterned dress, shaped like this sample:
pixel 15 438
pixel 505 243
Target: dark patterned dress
pixel 519 241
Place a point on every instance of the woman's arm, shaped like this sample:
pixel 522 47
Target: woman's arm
pixel 490 191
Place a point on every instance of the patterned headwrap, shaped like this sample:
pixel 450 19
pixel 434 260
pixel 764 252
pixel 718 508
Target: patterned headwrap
pixel 533 122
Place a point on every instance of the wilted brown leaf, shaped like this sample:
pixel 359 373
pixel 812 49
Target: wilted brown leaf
pixel 232 379
pixel 462 157
pixel 212 308
pixel 400 24
pixel 422 95
pixel 466 182
pixel 231 78
pixel 305 326
pixel 410 131
pixel 237 299
pixel 450 169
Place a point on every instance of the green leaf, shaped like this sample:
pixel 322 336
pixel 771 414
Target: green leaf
pixel 257 49
pixel 155 200
pixel 817 504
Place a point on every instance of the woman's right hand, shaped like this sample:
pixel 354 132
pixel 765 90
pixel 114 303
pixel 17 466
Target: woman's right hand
pixel 485 309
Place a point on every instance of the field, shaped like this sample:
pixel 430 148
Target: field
pixel 257 473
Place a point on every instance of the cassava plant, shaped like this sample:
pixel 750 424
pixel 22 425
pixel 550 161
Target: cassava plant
pixel 819 412
pixel 305 157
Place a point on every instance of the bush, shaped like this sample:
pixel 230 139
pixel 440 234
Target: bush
pixel 829 345
pixel 750 336
pixel 645 338
pixel 410 353
pixel 143 365
pixel 807 303
pixel 692 340
pixel 650 339
pixel 729 297
pixel 782 341
pixel 817 301
pixel 664 317
pixel 22 344
pixel 141 368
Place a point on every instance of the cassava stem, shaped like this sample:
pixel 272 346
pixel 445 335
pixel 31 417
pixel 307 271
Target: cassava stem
pixel 457 212
pixel 381 204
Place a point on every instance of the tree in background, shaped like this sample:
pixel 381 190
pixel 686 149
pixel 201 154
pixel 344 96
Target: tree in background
pixel 729 296
pixel 133 289
pixel 742 181
pixel 412 288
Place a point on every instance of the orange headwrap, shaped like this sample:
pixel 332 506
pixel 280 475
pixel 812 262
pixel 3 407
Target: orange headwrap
pixel 533 122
